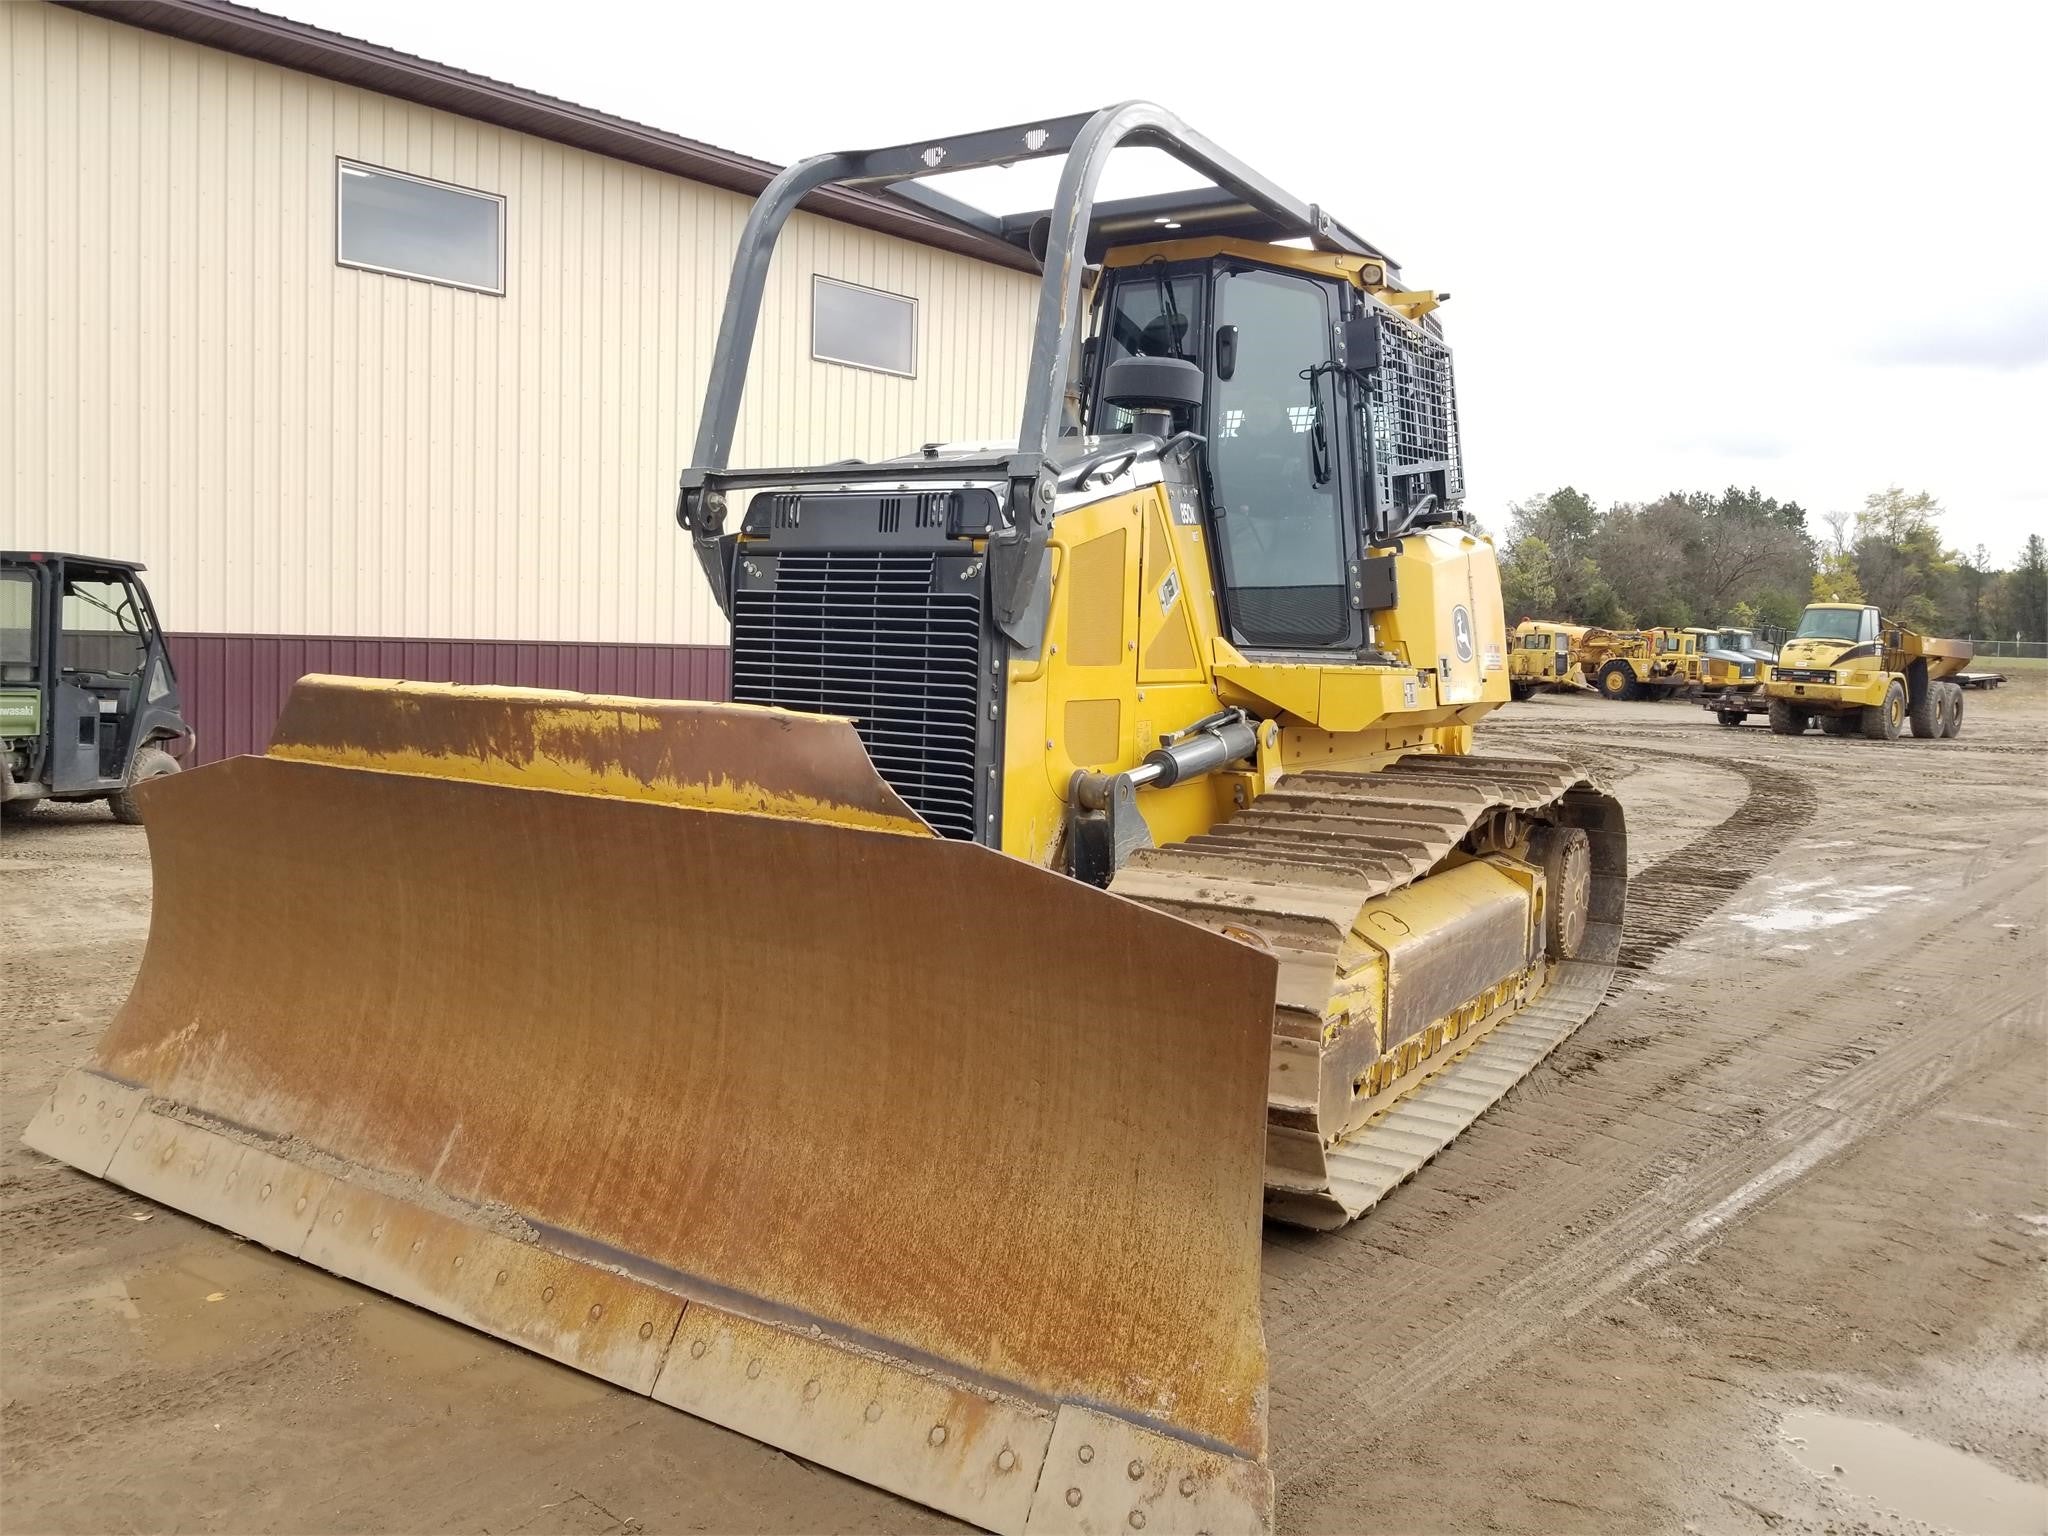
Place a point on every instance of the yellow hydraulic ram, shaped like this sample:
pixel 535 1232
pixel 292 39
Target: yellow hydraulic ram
pixel 663 1040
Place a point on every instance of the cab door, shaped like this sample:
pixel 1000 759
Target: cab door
pixel 1278 458
pixel 102 650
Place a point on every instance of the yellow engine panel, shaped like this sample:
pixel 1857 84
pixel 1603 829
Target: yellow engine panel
pixel 1135 649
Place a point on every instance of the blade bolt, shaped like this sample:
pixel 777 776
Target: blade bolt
pixel 596 1311
pixel 1136 1470
pixel 647 1330
pixel 1073 1497
pixel 696 1349
pixel 753 1369
pixel 1187 1486
pixel 938 1435
pixel 1087 1454
pixel 1006 1460
pixel 1137 1519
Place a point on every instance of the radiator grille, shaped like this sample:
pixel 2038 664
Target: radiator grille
pixel 891 639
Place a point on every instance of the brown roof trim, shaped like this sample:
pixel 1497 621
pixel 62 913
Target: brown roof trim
pixel 294 45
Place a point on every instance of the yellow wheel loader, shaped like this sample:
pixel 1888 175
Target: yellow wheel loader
pixel 1858 675
pixel 897 1063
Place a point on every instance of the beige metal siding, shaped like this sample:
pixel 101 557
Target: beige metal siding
pixel 297 447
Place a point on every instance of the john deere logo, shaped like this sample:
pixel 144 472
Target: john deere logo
pixel 1461 632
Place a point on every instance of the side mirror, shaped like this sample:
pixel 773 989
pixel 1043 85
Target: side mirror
pixel 1226 351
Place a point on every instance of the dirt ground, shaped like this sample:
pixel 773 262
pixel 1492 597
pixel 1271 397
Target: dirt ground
pixel 1798 1164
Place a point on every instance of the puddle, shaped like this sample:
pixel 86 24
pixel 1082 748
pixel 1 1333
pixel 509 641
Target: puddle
pixel 213 1297
pixel 1913 1478
pixel 1828 906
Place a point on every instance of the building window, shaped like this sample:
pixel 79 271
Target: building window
pixel 387 221
pixel 863 327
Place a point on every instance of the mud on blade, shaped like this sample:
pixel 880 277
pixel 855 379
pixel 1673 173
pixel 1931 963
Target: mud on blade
pixel 661 1039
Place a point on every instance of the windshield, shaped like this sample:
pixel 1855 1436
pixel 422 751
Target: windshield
pixel 1829 624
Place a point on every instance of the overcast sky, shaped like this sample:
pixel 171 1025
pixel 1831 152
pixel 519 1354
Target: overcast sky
pixel 1799 246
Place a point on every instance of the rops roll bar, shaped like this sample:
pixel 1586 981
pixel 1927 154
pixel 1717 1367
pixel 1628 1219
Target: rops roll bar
pixel 1017 549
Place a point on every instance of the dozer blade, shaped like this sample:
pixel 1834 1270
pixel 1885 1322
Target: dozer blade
pixel 663 1040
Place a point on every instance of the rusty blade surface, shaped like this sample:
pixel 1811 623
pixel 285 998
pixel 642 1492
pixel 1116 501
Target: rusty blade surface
pixel 924 1098
pixel 720 757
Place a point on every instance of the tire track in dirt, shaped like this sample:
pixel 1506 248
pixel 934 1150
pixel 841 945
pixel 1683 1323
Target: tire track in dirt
pixel 1669 900
pixel 1679 890
pixel 41 1432
pixel 1568 1254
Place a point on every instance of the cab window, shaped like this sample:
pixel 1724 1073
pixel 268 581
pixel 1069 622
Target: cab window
pixel 1272 445
pixel 103 628
pixel 1152 314
pixel 1837 624
pixel 17 627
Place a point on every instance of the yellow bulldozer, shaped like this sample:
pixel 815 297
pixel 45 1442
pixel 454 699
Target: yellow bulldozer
pixel 1846 667
pixel 897 1063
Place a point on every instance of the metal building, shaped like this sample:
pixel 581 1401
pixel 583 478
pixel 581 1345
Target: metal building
pixel 388 368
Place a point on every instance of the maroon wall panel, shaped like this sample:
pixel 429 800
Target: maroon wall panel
pixel 235 685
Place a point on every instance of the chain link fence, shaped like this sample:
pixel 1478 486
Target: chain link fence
pixel 2032 650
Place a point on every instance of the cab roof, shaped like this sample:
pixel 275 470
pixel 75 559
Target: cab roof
pixel 53 557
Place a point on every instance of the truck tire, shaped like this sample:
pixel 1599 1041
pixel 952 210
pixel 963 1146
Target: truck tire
pixel 1931 713
pixel 1841 725
pixel 1884 720
pixel 150 763
pixel 1617 680
pixel 1955 709
pixel 1786 720
pixel 1731 716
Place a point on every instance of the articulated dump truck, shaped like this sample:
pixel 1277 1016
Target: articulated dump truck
pixel 1846 667
pixel 897 1064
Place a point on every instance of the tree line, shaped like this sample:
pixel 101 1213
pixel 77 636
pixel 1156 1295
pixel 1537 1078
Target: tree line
pixel 1747 559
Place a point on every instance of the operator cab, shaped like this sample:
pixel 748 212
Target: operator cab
pixel 1324 415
